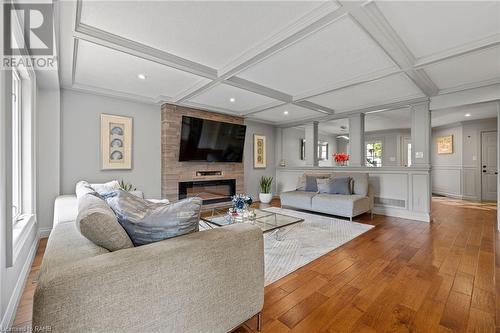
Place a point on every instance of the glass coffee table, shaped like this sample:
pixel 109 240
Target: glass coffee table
pixel 266 221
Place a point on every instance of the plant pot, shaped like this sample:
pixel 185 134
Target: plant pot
pixel 265 197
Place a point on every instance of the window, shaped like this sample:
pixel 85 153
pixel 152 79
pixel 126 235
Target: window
pixel 16 147
pixel 322 151
pixel 374 154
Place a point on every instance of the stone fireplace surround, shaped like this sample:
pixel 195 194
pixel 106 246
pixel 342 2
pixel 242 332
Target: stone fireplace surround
pixel 173 172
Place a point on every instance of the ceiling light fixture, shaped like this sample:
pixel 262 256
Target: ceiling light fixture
pixel 141 76
pixel 232 99
pixel 285 112
pixel 467 114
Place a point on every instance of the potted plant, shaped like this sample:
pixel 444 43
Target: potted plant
pixel 265 195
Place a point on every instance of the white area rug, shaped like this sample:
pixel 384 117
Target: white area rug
pixel 305 241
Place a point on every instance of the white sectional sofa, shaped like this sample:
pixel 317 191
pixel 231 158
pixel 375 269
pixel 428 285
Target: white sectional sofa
pixel 361 201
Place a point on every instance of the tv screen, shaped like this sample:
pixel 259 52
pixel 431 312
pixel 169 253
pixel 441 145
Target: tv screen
pixel 211 141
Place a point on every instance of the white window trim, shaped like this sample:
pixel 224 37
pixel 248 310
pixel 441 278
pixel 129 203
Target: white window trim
pixel 17 95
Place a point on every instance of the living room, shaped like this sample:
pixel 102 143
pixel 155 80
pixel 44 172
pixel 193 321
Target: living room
pixel 329 166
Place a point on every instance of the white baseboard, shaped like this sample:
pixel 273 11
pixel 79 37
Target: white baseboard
pixel 10 312
pixel 402 213
pixel 44 232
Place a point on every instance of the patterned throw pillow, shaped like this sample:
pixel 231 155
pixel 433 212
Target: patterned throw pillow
pixel 147 222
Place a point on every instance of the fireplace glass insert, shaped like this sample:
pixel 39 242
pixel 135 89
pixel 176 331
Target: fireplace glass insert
pixel 210 191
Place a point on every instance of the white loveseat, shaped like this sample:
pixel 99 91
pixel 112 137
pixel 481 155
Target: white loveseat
pixel 361 201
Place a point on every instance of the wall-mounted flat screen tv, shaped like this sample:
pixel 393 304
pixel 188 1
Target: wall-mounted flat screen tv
pixel 211 141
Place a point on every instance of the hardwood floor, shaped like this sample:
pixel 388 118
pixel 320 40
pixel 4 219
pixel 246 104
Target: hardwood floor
pixel 400 276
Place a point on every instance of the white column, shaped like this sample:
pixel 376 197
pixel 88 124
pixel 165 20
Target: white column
pixel 312 144
pixel 420 134
pixel 357 140
pixel 278 145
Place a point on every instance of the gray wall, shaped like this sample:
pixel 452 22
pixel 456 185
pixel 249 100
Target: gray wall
pixel 252 176
pixel 48 162
pixel 291 146
pixel 459 174
pixel 80 142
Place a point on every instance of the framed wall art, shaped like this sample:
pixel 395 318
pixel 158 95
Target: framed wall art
pixel 116 142
pixel 259 151
pixel 445 144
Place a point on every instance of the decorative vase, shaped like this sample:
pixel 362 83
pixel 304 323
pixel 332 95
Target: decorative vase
pixel 265 197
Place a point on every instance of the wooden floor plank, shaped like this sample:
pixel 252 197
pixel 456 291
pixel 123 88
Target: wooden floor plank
pixel 400 276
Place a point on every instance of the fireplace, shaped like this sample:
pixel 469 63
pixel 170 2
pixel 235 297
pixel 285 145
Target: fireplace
pixel 210 191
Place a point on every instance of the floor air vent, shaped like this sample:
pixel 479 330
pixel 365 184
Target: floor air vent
pixel 390 202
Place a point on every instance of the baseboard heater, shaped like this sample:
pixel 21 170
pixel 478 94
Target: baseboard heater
pixel 390 202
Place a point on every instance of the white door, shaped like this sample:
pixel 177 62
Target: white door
pixel 489 166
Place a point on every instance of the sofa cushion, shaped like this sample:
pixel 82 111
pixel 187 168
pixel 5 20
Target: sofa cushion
pixel 97 222
pixel 147 222
pixel 343 205
pixel 297 199
pixel 340 186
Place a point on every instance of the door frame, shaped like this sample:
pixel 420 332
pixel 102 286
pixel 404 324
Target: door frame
pixel 481 162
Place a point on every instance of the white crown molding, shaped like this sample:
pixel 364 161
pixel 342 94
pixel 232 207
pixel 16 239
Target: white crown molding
pixel 373 22
pixel 209 108
pixel 110 93
pixel 461 50
pixel 469 86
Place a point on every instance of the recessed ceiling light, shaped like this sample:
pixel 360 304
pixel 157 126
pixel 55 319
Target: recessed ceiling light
pixel 467 114
pixel 232 99
pixel 285 112
pixel 141 76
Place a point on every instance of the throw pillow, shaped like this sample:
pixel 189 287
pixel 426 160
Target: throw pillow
pixel 106 187
pixel 97 222
pixel 147 222
pixel 323 185
pixel 340 186
pixel 311 184
pixel 82 188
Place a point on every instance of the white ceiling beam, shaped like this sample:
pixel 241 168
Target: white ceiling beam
pixel 314 107
pixel 371 20
pixel 485 43
pixel 258 89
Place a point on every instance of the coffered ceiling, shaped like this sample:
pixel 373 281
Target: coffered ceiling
pixel 279 62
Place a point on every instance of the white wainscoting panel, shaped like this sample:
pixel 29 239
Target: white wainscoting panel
pixel 446 180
